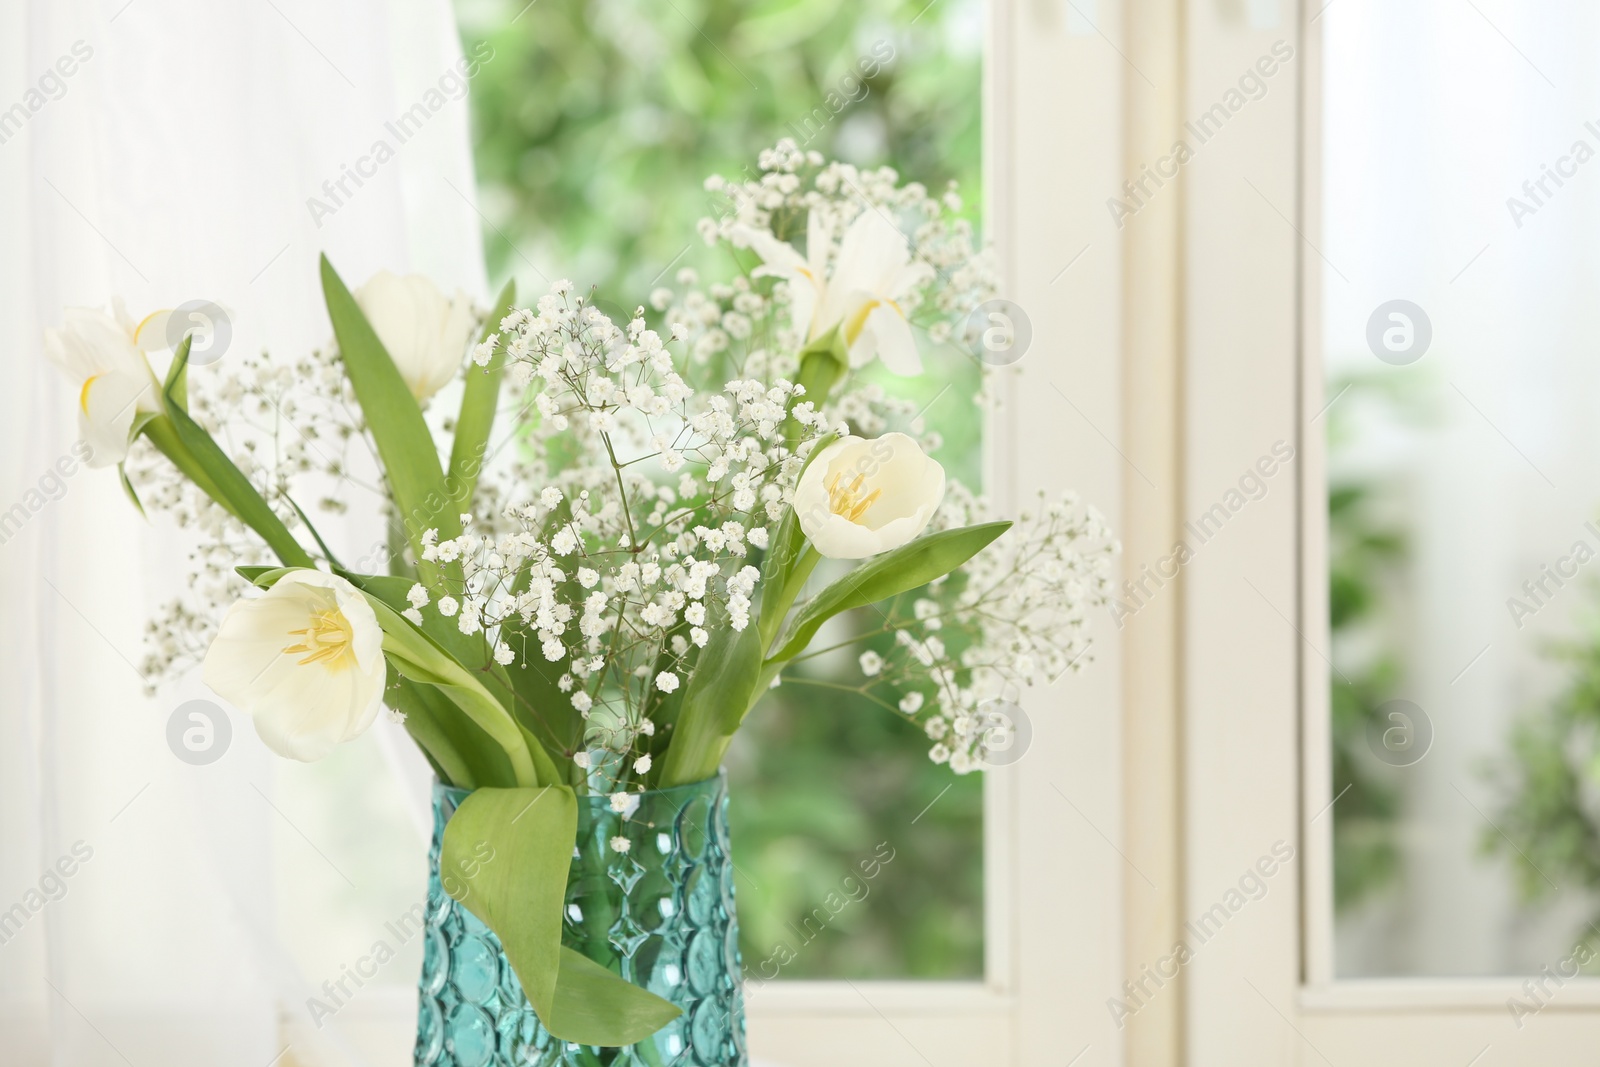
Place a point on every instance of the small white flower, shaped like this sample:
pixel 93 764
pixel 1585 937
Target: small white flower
pixel 448 606
pixel 625 804
pixel 647 728
pixel 871 664
pixel 417 595
pixel 667 682
pixel 642 764
pixel 582 701
pixel 580 760
pixel 396 716
pixel 911 703
pixel 939 754
pixel 757 537
pixel 620 844
pixel 503 653
pixel 550 497
pixel 414 615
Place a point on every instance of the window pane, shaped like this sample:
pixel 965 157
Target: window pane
pixel 1459 272
pixel 596 124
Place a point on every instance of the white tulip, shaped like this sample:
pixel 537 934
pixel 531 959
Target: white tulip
pixel 105 358
pixel 860 497
pixel 425 332
pixel 872 273
pixel 305 659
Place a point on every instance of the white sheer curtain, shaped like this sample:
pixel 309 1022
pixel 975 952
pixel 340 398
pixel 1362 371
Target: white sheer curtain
pixel 175 161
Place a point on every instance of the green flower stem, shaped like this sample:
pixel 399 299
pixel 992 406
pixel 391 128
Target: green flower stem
pixel 822 363
pixel 164 436
pixel 772 620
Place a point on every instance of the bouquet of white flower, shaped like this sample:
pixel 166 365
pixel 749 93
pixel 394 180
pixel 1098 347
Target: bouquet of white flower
pixel 598 611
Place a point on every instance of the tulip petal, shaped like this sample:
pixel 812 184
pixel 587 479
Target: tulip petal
pixel 893 339
pixel 108 405
pixel 302 706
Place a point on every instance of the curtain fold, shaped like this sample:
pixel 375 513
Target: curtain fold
pixel 162 151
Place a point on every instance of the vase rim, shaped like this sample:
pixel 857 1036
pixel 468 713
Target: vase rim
pixel 721 777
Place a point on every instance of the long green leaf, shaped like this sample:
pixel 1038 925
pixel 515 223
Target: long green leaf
pixel 720 691
pixel 227 484
pixel 907 567
pixel 418 657
pixel 505 856
pixel 595 1007
pixel 468 452
pixel 429 730
pixel 410 460
pixel 528 691
pixel 519 890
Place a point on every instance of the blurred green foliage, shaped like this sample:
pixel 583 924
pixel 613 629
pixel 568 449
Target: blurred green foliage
pixel 597 121
pixel 1551 782
pixel 595 125
pixel 1367 553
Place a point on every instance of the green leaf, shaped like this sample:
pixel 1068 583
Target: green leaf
pixel 410 460
pixel 910 566
pixel 720 691
pixel 262 576
pixel 127 487
pixel 505 856
pixel 478 403
pixel 420 659
pixel 431 728
pixel 176 387
pixel 193 450
pixel 595 1007
pixel 473 652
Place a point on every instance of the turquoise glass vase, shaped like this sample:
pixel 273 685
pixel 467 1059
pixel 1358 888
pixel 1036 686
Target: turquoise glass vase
pixel 660 914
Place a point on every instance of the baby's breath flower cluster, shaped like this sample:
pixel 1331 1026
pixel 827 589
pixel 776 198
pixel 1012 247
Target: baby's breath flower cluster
pixel 1014 617
pixel 289 427
pixel 638 544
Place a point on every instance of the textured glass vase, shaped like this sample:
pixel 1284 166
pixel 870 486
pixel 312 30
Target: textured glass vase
pixel 660 914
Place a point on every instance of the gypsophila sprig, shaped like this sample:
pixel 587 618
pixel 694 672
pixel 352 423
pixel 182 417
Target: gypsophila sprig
pixel 1013 618
pixel 617 567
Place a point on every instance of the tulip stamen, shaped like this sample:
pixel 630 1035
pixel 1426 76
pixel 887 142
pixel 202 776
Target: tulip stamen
pixel 846 501
pixel 328 637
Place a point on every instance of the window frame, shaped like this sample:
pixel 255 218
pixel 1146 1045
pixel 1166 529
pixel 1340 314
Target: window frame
pixel 1052 819
pixel 1269 995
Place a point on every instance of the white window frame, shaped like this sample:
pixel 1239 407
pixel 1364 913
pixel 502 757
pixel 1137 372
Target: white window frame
pixel 1052 874
pixel 1256 634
